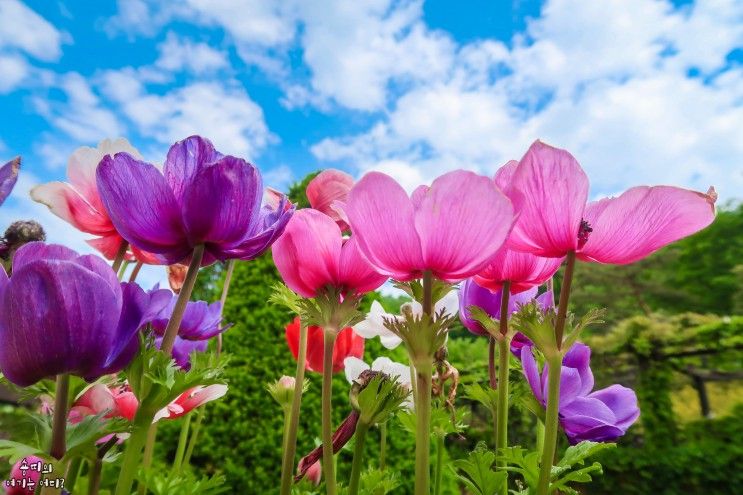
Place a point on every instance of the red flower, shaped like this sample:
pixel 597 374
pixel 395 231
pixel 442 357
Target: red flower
pixel 347 344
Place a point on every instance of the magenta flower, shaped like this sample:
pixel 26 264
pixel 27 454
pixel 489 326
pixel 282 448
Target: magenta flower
pixel 65 313
pixel 550 191
pixel 600 416
pixel 8 177
pixel 312 254
pixel 201 197
pixel 329 186
pixel 190 400
pixel 472 294
pixel 452 228
pixel 522 270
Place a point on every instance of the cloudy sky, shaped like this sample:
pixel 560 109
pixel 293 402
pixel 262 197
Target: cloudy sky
pixel 641 91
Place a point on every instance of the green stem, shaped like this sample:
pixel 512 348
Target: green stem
pixel 180 305
pixel 135 271
pixel 132 453
pixel 72 473
pixel 327 419
pixel 181 449
pixel 358 456
pixel 550 425
pixel 413 382
pixel 120 254
pixel 94 478
pixel 562 309
pixel 423 428
pixel 501 421
pixel 223 299
pixel 491 363
pixel 540 435
pixel 382 445
pixel 149 452
pixel 194 436
pixel 439 464
pixel 290 449
pixel 61 393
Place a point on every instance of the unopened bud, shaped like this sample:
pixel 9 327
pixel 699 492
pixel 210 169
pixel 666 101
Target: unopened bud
pixel 407 310
pixel 314 473
pixel 282 390
pixel 360 384
pixel 20 233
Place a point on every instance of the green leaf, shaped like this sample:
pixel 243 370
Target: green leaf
pixel 478 475
pixel 486 396
pixel 15 451
pixel 376 482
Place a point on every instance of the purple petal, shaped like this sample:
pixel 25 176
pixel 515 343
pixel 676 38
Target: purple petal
pixel 142 206
pixel 185 160
pixel 35 251
pixel 269 227
pixel 222 203
pixel 182 350
pixel 55 317
pixel 622 401
pixel 8 177
pixel 471 294
pixel 531 372
pixel 515 301
pixel 579 358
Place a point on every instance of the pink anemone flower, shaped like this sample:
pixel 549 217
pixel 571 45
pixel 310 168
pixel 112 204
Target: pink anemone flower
pixel 550 191
pixel 452 228
pixel 79 203
pixel 327 187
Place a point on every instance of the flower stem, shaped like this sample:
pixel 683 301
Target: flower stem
pixel 180 305
pixel 135 271
pixel 61 393
pixel 562 309
pixel 423 428
pixel 540 435
pixel 358 456
pixel 501 418
pixel 223 299
pixel 439 464
pixel 149 451
pixel 550 424
pixel 327 419
pixel 94 478
pixel 120 254
pixel 413 382
pixel 491 363
pixel 194 436
pixel 181 449
pixel 290 447
pixel 382 445
pixel 72 473
pixel 132 453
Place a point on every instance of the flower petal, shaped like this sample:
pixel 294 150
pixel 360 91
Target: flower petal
pixel 222 203
pixel 354 272
pixel 185 160
pixel 549 190
pixel 522 270
pixel 142 206
pixel 531 372
pixel 54 318
pixel 38 251
pixel 462 221
pixel 383 221
pixel 308 252
pixel 578 357
pixel 329 185
pixel 8 177
pixel 353 367
pixel 643 220
pixel 623 403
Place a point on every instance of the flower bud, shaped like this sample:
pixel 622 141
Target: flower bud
pixel 282 390
pixel 314 473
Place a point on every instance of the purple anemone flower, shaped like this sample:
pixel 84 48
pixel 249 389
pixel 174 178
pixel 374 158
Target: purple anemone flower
pixel 471 294
pixel 65 313
pixel 200 197
pixel 600 416
pixel 201 321
pixel 8 177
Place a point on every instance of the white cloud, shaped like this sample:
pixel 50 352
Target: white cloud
pixel 82 116
pixel 13 70
pixel 222 111
pixel 278 177
pixel 177 53
pixel 610 87
pixel 24 29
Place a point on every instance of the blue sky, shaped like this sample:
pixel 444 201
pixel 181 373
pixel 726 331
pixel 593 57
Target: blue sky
pixel 641 91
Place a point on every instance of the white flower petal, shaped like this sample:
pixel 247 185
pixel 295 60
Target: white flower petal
pixel 353 368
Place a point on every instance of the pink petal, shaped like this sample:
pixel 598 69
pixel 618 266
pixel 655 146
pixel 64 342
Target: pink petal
pixel 108 246
pixel 308 252
pixel 462 221
pixel 355 272
pixel 383 221
pixel 329 185
pixel 523 270
pixel 549 190
pixel 202 395
pixel 504 175
pixel 69 205
pixel 643 220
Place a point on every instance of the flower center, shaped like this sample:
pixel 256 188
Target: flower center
pixel 584 231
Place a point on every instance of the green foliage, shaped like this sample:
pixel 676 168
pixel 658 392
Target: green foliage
pixel 476 472
pixel 162 482
pixel 702 462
